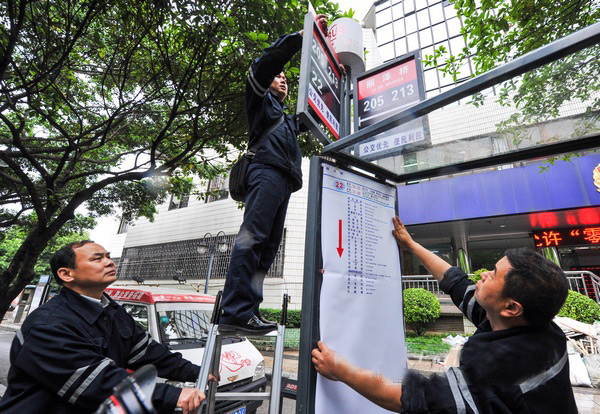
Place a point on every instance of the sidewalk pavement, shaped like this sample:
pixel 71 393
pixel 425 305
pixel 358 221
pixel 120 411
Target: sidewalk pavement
pixel 588 399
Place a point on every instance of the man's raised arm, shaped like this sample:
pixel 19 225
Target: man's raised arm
pixel 435 264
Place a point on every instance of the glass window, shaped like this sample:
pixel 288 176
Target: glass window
pixel 410 162
pixel 123 226
pixel 432 2
pixel 387 52
pixel 420 4
pixel 450 12
pixel 437 14
pixel 413 42
pixel 217 189
pixel 453 27
pixel 397 11
pixel 432 93
pixel 177 202
pixel 439 32
pixel 382 5
pixel 425 37
pixel 411 23
pixel 385 34
pixel 139 313
pixel 397 2
pixel 399 28
pixel 384 17
pixel 427 51
pixel 401 47
pixel 423 19
pixel 456 45
pixel 179 326
pixel 409 6
pixel 431 80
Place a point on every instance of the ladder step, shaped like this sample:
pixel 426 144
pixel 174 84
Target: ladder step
pixel 240 396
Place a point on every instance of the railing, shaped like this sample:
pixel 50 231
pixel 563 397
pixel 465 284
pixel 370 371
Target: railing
pixel 426 282
pixel 582 281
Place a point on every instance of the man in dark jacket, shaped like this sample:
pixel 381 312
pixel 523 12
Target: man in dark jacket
pixel 72 351
pixel 516 362
pixel 273 175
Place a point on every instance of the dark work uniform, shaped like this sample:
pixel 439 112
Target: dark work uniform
pixel 517 370
pixel 71 352
pixel 273 175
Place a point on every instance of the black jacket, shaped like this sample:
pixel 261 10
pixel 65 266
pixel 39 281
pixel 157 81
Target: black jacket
pixel 71 352
pixel 280 149
pixel 518 370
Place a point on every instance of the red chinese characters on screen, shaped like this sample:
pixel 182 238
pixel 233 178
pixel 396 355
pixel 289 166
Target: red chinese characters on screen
pixel 547 239
pixel 592 234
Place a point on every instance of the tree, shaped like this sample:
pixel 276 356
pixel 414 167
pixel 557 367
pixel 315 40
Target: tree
pixel 111 105
pixel 421 307
pixel 11 239
pixel 498 31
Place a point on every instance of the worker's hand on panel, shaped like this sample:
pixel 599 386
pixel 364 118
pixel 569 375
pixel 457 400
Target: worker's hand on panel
pixel 328 363
pixel 402 235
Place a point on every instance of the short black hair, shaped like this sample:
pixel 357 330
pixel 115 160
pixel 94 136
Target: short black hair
pixel 538 284
pixel 65 257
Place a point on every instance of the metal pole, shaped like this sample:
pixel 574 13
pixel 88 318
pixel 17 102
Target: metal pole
pixel 210 261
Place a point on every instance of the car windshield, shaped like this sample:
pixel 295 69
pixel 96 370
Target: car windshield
pixel 183 325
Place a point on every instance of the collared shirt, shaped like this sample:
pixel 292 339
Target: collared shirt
pixel 70 353
pixel 524 369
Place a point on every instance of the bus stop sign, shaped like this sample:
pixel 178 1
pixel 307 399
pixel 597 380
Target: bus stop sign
pixel 320 90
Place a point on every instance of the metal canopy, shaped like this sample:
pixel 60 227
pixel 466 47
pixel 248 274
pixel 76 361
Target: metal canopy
pixel 554 51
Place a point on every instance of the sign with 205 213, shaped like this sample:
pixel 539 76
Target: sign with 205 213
pixel 387 92
pixel 383 92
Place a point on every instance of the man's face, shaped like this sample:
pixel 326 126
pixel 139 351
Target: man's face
pixel 279 86
pixel 488 291
pixel 93 267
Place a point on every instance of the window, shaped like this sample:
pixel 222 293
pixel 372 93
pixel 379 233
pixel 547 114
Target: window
pixel 180 326
pixel 123 225
pixel 425 37
pixel 139 313
pixel 216 189
pixel 177 202
pixel 410 162
pixel 399 28
pixel 385 34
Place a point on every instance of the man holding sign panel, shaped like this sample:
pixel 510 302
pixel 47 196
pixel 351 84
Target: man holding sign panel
pixel 516 362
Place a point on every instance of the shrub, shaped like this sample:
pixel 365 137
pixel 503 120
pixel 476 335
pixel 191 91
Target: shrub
pixel 580 308
pixel 476 277
pixel 420 308
pixel 293 316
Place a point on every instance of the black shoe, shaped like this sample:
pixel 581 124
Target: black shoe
pixel 253 327
pixel 263 320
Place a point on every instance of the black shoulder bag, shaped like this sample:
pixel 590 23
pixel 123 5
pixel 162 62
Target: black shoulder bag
pixel 238 183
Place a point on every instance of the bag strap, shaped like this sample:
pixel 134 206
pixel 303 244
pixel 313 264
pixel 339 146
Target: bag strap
pixel 264 135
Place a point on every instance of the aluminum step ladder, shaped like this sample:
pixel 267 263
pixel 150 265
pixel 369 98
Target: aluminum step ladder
pixel 211 360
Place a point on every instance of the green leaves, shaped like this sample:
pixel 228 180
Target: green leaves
pixel 580 307
pixel 420 308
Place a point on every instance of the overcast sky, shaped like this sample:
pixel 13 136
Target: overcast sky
pixel 361 7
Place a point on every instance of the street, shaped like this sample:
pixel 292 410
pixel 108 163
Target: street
pixel 6 338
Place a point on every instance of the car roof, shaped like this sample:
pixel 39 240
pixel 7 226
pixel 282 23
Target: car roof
pixel 153 295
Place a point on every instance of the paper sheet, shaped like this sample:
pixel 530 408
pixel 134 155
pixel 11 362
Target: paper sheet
pixel 361 297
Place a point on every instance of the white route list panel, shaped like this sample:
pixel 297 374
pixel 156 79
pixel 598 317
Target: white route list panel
pixel 361 314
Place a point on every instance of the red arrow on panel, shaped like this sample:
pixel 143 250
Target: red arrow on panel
pixel 340 249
